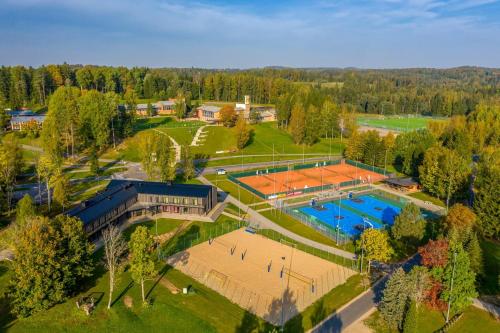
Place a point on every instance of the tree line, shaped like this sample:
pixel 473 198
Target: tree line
pixel 457 161
pixel 407 91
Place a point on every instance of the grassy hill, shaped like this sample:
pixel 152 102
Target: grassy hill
pixel 220 138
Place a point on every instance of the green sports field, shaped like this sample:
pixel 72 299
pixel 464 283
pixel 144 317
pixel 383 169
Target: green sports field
pixel 397 123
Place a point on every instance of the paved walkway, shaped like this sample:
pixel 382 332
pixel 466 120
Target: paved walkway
pixel 196 137
pixel 351 312
pixel 6 254
pixel 491 308
pixel 421 203
pixel 177 146
pixel 262 222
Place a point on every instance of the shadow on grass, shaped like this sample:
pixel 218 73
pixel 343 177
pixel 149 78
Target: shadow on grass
pixel 3 270
pixel 124 291
pixel 97 296
pixel 162 273
pixel 319 312
pixel 6 316
pixel 149 123
pixel 182 242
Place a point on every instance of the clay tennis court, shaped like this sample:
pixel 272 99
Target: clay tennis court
pixel 297 180
pixel 255 272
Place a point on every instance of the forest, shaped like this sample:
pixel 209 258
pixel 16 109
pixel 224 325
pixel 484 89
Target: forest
pixel 436 92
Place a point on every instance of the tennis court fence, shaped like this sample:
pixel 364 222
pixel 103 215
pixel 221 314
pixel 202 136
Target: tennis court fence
pixel 234 177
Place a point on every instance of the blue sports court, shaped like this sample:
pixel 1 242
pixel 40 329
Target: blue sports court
pixel 355 214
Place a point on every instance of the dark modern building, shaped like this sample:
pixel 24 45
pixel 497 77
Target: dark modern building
pixel 124 199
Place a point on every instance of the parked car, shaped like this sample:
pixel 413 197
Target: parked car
pixel 220 171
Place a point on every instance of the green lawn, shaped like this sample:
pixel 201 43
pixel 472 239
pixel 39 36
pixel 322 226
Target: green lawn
pixel 181 131
pixel 221 138
pixel 261 206
pixel 85 174
pixel 399 123
pixel 265 135
pixel 489 282
pixel 427 197
pixel 326 305
pixel 183 136
pixel 228 186
pixel 473 320
pixel 164 226
pixel 202 311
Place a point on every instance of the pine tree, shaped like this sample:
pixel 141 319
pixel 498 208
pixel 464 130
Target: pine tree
pixel 61 191
pixel 147 149
pixel 25 210
pixel 94 161
pixel 394 299
pixel 458 269
pixel 409 224
pixel 187 164
pixel 312 125
pixel 163 156
pixel 297 124
pixel 487 198
pixel 475 254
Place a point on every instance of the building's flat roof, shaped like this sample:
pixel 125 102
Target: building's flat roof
pixel 21 113
pixel 211 108
pixel 119 191
pixel 145 106
pixel 406 182
pixel 101 204
pixel 166 103
pixel 24 119
pixel 183 190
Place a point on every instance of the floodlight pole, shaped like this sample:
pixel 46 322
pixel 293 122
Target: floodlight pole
pixel 385 162
pixel 331 138
pixel 274 182
pixel 451 287
pixel 362 246
pixel 158 247
pixel 282 303
pixel 338 219
pixel 239 192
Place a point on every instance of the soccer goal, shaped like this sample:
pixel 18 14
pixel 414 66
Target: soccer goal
pixel 218 278
pixel 299 277
pixel 288 243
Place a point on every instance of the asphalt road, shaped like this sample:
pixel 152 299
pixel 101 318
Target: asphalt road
pixel 337 322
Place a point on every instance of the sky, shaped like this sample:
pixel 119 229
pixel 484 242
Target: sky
pixel 248 34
